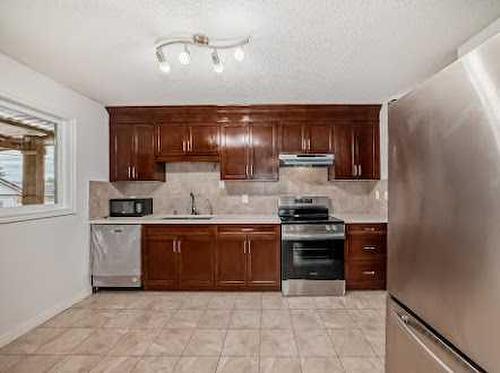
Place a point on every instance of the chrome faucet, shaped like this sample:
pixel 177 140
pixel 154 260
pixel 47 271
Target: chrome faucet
pixel 194 210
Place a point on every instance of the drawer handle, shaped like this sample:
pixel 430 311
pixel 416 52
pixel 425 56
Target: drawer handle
pixel 369 273
pixel 369 248
pixel 369 229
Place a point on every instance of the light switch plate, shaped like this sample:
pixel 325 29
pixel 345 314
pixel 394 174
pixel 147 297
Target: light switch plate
pixel 244 198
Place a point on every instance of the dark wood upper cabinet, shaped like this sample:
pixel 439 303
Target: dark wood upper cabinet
pixel 319 137
pixel 187 142
pixel 246 140
pixel 356 147
pixel 264 152
pixel 292 138
pixel 249 152
pixel 204 140
pixel 306 137
pixel 234 156
pixel 171 140
pixel 132 153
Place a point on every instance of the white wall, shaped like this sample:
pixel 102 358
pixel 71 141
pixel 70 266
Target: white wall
pixel 479 38
pixel 44 263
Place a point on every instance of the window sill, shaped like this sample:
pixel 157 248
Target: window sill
pixel 42 213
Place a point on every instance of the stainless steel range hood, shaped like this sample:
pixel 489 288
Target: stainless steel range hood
pixel 306 160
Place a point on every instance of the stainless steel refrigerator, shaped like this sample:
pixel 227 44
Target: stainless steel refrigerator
pixel 444 220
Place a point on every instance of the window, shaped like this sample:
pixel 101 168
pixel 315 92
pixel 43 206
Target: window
pixel 35 155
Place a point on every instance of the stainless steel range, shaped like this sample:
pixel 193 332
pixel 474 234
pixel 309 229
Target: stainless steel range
pixel 312 247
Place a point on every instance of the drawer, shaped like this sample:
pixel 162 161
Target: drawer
pixel 248 229
pixel 366 246
pixel 174 230
pixel 367 228
pixel 366 275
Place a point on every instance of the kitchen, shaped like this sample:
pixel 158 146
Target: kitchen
pixel 246 219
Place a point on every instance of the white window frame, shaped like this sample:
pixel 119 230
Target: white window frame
pixel 65 169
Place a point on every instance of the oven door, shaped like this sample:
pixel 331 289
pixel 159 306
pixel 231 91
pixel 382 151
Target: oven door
pixel 313 259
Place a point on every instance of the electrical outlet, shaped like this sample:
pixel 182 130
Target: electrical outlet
pixel 244 198
pixel 221 184
pixel 377 194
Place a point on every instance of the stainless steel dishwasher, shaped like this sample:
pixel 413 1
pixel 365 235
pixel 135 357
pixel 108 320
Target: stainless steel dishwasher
pixel 115 255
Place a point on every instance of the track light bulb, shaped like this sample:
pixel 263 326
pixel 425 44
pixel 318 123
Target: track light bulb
pixel 185 56
pixel 164 67
pixel 218 66
pixel 239 54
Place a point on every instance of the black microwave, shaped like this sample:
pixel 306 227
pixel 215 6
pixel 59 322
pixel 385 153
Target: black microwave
pixel 130 207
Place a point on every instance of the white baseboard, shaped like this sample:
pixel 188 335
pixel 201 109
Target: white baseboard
pixel 32 323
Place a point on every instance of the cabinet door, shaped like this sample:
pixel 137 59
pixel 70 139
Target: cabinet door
pixel 159 262
pixel 204 140
pixel 234 153
pixel 263 261
pixel 172 140
pixel 145 168
pixel 344 152
pixel 366 157
pixel 196 260
pixel 122 145
pixel 264 160
pixel 292 138
pixel 230 260
pixel 319 138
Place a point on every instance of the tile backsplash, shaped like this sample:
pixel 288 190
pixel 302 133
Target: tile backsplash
pixel 227 197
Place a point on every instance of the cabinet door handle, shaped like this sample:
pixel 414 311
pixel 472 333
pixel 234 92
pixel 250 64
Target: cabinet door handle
pixel 174 245
pixel 249 247
pixel 369 248
pixel 178 247
pixel 245 247
pixel 354 170
pixel 183 146
pixel 134 172
pixel 369 273
pixel 369 229
pixel 308 144
pixel 246 170
pixel 252 170
pixel 359 170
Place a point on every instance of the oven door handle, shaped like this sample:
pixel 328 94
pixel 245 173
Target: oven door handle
pixel 313 237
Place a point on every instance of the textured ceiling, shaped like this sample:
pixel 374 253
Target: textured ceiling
pixel 302 50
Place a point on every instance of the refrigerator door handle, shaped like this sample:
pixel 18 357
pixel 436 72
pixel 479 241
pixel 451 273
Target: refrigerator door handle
pixel 449 360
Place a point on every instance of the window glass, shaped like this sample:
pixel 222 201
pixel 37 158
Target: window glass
pixel 28 160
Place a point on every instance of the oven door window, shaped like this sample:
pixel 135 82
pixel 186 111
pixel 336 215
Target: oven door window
pixel 321 260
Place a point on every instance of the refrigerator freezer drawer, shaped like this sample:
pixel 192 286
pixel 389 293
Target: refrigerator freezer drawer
pixel 413 348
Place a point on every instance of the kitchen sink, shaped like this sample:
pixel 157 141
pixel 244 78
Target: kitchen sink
pixel 193 217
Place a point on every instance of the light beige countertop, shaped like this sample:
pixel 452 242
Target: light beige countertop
pixel 361 218
pixel 187 219
pixel 231 219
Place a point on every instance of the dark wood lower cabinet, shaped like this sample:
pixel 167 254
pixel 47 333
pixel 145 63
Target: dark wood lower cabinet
pixel 178 257
pixel 208 257
pixel 248 257
pixel 366 256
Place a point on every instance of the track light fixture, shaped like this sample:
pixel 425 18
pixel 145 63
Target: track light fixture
pixel 201 41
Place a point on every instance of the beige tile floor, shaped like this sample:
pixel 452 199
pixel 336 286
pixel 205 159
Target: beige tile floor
pixel 206 333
